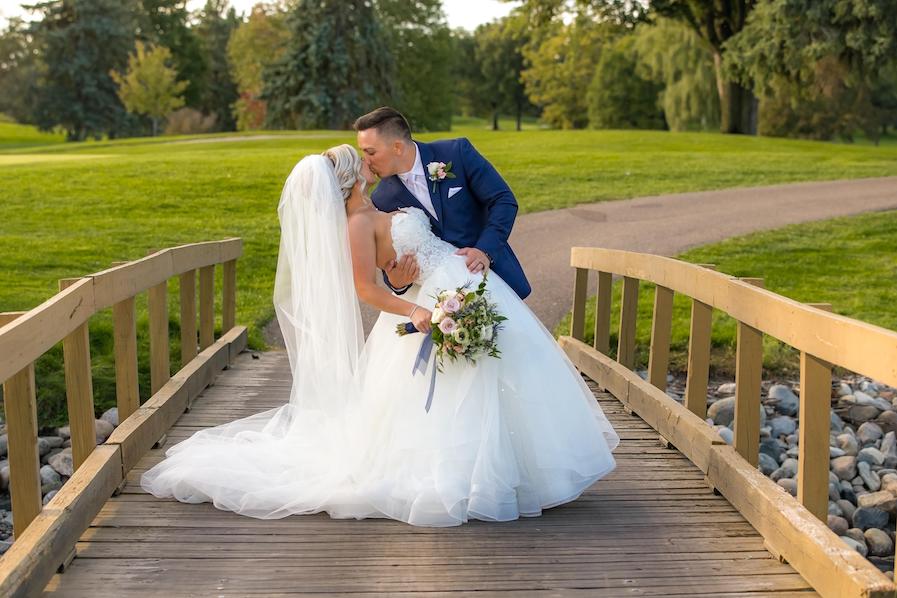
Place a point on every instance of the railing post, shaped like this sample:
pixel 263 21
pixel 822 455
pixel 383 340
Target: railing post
pixel 698 372
pixel 748 376
pixel 628 320
pixel 229 299
pixel 661 330
pixel 188 316
pixel 160 360
pixel 602 312
pixel 815 423
pixel 206 306
pixel 20 404
pixel 127 390
pixel 578 320
pixel 79 388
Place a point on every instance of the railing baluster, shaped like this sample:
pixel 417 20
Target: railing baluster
pixel 628 320
pixel 602 312
pixel 698 369
pixel 748 376
pixel 127 390
pixel 206 306
pixel 188 316
pixel 229 299
pixel 79 388
pixel 815 423
pixel 661 329
pixel 578 320
pixel 160 360
pixel 20 405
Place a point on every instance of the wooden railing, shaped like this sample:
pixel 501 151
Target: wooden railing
pixel 794 530
pixel 45 537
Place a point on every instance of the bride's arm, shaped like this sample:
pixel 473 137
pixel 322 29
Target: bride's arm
pixel 363 244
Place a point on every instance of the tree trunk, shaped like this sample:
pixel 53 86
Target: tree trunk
pixel 155 126
pixel 495 119
pixel 519 115
pixel 738 106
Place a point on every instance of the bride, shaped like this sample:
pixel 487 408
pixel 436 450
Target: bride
pixel 504 438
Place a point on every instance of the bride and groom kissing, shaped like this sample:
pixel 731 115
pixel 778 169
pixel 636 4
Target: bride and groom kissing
pixel 506 436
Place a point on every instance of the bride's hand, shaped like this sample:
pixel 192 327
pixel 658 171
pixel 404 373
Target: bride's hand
pixel 421 317
pixel 403 272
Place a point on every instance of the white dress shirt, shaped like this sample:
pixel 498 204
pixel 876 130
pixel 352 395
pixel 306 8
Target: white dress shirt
pixel 415 180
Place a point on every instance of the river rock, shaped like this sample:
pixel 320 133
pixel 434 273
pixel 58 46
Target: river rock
pixel 866 517
pixel 789 485
pixel 62 462
pixel 870 478
pixel 858 546
pixel 838 525
pixel 845 467
pixel 111 416
pixel 879 542
pixel 786 402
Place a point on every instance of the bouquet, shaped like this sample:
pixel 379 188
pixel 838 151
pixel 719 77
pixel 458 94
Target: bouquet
pixel 465 324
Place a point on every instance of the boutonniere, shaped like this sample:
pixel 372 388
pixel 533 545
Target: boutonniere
pixel 439 171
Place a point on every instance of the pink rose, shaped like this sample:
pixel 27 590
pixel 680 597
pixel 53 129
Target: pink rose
pixel 451 305
pixel 447 325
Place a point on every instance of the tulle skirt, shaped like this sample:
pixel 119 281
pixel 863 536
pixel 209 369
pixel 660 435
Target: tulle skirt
pixel 504 438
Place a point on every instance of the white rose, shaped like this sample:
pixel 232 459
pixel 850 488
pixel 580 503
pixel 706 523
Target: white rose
pixel 438 314
pixel 432 167
pixel 486 333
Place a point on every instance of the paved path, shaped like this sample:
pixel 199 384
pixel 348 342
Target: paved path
pixel 668 225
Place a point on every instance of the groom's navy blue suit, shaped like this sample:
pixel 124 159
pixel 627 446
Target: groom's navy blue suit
pixel 480 214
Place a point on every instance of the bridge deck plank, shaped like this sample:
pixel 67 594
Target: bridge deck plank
pixel 652 528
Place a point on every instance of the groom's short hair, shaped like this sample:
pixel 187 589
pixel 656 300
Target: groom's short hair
pixel 387 121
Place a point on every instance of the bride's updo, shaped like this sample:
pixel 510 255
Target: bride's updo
pixel 347 167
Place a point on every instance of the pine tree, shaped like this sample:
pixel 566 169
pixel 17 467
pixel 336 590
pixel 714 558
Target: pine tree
pixel 82 42
pixel 337 66
pixel 218 90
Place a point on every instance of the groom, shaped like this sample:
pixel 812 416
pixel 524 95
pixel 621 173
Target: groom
pixel 473 210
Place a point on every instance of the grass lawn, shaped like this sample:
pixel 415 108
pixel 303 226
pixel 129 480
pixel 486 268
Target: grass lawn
pixel 848 262
pixel 71 209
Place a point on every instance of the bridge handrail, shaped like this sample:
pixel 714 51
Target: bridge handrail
pixel 794 529
pixel 46 535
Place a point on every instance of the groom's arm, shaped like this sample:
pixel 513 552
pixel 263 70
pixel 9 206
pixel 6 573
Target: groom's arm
pixel 488 188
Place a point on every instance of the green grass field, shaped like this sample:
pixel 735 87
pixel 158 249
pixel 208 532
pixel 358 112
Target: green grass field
pixel 848 262
pixel 71 209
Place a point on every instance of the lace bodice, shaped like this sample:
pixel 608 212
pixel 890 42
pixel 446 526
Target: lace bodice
pixel 411 233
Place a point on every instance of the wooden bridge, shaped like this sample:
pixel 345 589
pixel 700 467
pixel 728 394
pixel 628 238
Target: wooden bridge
pixel 684 514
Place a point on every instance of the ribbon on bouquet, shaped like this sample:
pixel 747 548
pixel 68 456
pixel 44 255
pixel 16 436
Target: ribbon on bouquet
pixel 420 365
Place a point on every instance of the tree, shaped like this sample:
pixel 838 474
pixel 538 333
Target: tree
pixel 620 98
pixel 560 70
pixel 336 66
pixel 717 23
pixel 218 89
pixel 255 44
pixel 499 57
pixel 674 56
pixel 150 85
pixel 166 23
pixel 420 44
pixel 81 42
pixel 820 52
pixel 18 71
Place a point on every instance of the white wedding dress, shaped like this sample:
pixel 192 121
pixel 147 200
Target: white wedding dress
pixel 504 438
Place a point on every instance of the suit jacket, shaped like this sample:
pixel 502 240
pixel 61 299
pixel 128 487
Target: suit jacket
pixel 480 213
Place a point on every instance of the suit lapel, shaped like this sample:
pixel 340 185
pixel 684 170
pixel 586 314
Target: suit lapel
pixel 398 190
pixel 426 156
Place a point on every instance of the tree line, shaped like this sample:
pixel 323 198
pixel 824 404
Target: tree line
pixel 110 68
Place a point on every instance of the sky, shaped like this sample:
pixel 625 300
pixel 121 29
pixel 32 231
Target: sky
pixel 466 14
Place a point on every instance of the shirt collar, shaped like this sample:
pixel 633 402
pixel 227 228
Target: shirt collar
pixel 417 168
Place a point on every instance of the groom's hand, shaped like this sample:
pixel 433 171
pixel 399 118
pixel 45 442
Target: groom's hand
pixel 402 273
pixel 477 261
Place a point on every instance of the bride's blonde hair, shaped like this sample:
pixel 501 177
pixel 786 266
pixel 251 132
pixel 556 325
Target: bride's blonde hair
pixel 347 167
